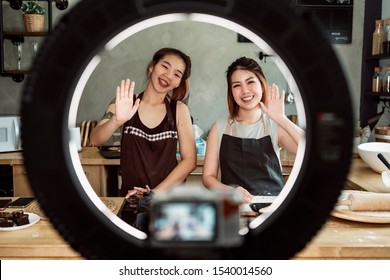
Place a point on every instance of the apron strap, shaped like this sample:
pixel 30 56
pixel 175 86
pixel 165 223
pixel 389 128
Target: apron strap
pixel 266 128
pixel 171 121
pixel 167 107
pixel 231 123
pixel 134 99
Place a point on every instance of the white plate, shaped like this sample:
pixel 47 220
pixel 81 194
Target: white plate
pixel 33 218
pixel 343 212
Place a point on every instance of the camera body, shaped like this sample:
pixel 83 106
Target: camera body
pixel 192 215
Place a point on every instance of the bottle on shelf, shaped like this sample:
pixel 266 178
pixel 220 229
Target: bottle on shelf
pixel 386 80
pixel 377 80
pixel 18 54
pixel 377 37
pixel 386 37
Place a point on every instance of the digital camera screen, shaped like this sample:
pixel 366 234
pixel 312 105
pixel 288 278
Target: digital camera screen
pixel 185 221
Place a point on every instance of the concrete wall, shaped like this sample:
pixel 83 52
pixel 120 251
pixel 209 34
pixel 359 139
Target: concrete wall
pixel 212 48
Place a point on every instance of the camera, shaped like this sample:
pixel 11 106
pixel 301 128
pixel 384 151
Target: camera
pixel 192 215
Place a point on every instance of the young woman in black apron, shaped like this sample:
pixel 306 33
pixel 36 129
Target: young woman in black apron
pixel 245 147
pixel 152 123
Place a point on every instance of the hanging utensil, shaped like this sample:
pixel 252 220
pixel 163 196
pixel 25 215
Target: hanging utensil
pixel 384 160
pixel 385 174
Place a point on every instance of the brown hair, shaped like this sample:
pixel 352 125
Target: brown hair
pixel 244 63
pixel 181 92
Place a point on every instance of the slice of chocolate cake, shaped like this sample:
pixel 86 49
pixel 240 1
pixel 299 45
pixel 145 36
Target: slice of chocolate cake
pixel 6 215
pixel 17 213
pixel 21 220
pixel 6 222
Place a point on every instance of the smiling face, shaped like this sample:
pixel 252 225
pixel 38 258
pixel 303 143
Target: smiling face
pixel 167 73
pixel 246 89
pixel 247 85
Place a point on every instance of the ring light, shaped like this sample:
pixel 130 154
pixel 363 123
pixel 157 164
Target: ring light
pixel 69 53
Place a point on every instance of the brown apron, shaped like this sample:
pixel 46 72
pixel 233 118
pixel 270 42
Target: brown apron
pixel 148 155
pixel 250 163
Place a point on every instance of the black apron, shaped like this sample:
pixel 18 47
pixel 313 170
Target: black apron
pixel 250 163
pixel 148 155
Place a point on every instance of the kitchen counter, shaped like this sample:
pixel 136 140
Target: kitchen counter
pixel 40 241
pixel 343 239
pixel 102 173
pixel 92 156
pixel 361 175
pixel 338 239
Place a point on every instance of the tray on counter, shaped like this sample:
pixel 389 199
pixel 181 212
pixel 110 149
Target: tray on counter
pixel 110 151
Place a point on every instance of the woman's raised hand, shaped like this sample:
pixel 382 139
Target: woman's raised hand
pixel 125 108
pixel 275 103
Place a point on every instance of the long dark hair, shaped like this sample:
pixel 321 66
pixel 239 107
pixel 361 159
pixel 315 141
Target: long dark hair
pixel 180 93
pixel 244 63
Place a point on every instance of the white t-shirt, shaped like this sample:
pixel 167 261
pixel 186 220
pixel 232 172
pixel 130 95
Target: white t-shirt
pixel 256 130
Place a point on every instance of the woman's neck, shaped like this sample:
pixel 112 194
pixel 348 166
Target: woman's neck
pixel 152 97
pixel 249 116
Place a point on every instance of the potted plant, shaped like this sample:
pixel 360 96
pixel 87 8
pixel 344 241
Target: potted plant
pixel 33 16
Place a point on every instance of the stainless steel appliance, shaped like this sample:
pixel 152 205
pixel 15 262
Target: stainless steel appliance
pixel 10 140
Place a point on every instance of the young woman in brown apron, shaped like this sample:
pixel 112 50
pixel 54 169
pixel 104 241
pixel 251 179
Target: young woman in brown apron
pixel 152 124
pixel 245 147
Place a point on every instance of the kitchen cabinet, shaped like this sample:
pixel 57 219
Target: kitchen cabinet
pixel 95 167
pixel 18 37
pixel 95 174
pixel 335 18
pixel 195 178
pixel 368 99
pixel 20 180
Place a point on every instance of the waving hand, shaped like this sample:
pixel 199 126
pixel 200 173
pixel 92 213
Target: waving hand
pixel 275 104
pixel 125 108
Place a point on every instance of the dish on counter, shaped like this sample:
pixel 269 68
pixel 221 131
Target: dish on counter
pixel 343 212
pixel 33 219
pixel 111 152
pixel 368 152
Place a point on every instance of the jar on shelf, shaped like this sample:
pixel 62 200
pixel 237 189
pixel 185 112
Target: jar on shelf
pixel 386 80
pixel 377 80
pixel 386 37
pixel 377 37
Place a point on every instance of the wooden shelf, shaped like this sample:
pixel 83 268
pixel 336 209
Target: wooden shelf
pixel 377 94
pixel 16 72
pixel 369 100
pixel 10 35
pixel 18 36
pixel 378 56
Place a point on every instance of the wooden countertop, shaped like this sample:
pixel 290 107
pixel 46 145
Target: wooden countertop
pixel 92 156
pixel 88 156
pixel 11 158
pixel 40 241
pixel 361 175
pixel 338 239
pixel 342 239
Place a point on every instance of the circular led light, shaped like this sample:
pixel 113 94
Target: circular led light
pixel 70 55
